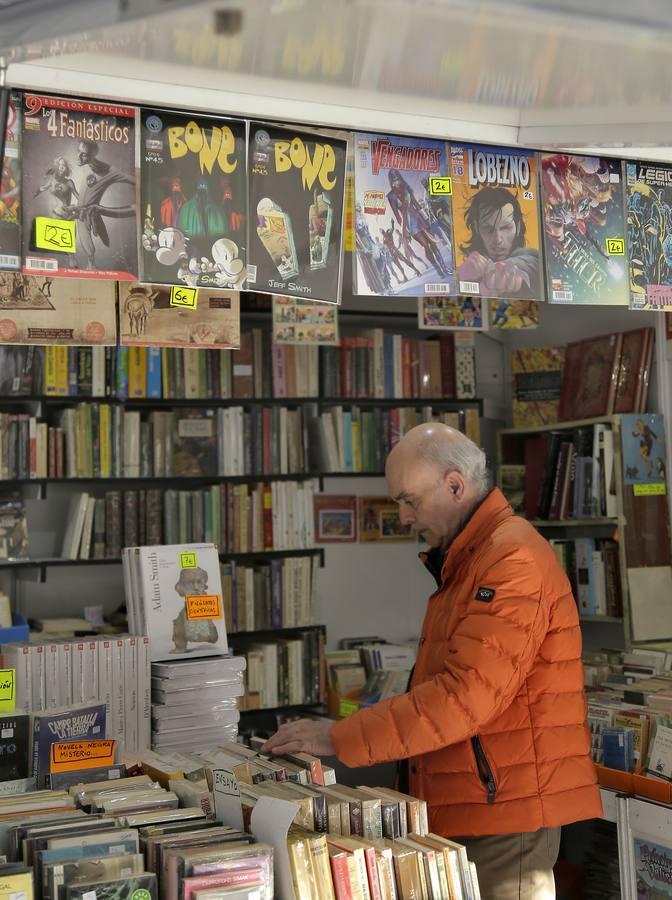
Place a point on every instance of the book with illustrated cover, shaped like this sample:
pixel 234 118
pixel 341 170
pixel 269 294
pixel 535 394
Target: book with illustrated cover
pixel 177 591
pixel 537 383
pixel 509 315
pixel 193 199
pixel 21 367
pixel 584 230
pixel 13 529
pixel 445 313
pixel 78 188
pixel 15 747
pixel 194 443
pixel 147 319
pixel 77 723
pixel 45 310
pixel 10 188
pixel 496 222
pixel 403 216
pixel 296 183
pixel 648 193
pixel 136 887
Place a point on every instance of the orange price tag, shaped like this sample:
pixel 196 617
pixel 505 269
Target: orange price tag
pixel 204 606
pixel 69 756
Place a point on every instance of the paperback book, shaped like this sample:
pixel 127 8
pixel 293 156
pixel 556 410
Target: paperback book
pixel 403 216
pixel 296 189
pixel 193 199
pixel 77 723
pixel 78 189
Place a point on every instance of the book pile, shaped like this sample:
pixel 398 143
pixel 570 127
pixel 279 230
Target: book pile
pixel 369 672
pixel 106 671
pixel 194 702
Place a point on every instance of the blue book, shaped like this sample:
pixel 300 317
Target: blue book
pixel 388 361
pixel 347 440
pixel 122 373
pixel 618 748
pixel 73 364
pixel 76 723
pixel 154 373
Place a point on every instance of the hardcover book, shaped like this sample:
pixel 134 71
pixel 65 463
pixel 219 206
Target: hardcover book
pixel 496 222
pixel 78 189
pixel 193 199
pixel 177 589
pixel 403 216
pixel 633 370
pixel 296 183
pixel 537 383
pixel 10 188
pixel 584 229
pixel 194 443
pixel 590 376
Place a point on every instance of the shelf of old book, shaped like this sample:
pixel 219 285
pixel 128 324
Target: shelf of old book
pixel 161 402
pixel 165 479
pixel 603 521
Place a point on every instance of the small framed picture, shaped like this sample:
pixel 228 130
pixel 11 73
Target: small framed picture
pixel 335 518
pixel 379 521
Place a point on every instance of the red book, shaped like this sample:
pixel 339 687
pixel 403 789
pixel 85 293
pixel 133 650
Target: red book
pixel 372 872
pixel 338 860
pixel 447 345
pixel 243 359
pixel 634 352
pixel 268 516
pixel 589 377
pixel 535 459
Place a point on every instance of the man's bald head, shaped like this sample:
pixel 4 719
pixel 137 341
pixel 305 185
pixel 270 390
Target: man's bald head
pixel 438 445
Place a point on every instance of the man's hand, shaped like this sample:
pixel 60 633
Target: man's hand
pixel 302 736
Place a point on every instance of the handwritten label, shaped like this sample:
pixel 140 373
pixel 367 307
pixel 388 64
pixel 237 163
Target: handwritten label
pixel 440 185
pixel 55 234
pixel 204 606
pixel 187 560
pixel 347 707
pixel 69 756
pixel 226 794
pixel 650 490
pixel 7 690
pixel 615 246
pixel 186 297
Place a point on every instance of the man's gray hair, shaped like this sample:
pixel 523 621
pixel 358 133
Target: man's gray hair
pixel 459 454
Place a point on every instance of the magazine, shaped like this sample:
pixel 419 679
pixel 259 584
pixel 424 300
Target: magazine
pixel 649 219
pixel 296 190
pixel 78 188
pixel 193 199
pixel 10 189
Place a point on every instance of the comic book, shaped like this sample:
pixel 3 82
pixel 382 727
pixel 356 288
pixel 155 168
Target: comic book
pixel 147 319
pixel 403 216
pixel 10 187
pixel 648 190
pixel 43 310
pixel 514 314
pixel 453 313
pixel 296 200
pixel 584 229
pixel 193 199
pixel 78 189
pixel 496 222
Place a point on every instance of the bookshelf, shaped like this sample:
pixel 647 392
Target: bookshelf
pixel 637 531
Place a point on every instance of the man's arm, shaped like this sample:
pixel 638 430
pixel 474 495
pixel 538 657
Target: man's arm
pixel 489 656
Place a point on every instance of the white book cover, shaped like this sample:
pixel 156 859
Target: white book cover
pixel 131 693
pixel 51 676
pixel 37 677
pixel 73 531
pixel 97 371
pixel 118 728
pixel 181 594
pixel 105 678
pixel 144 694
pixel 87 529
pixel 77 672
pixel 131 444
pixel 90 681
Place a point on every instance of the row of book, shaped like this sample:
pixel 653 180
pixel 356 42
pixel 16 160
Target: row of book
pixel 103 681
pixel 370 671
pixel 385 365
pixel 285 672
pixel 594 571
pixel 359 440
pixel 376 363
pixel 239 518
pixel 275 594
pixel 566 474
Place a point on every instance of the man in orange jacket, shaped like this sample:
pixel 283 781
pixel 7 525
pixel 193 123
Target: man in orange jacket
pixel 494 723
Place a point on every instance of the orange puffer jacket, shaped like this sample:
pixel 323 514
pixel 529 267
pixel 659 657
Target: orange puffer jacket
pixel 494 723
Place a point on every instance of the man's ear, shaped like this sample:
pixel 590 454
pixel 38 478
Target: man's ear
pixel 455 483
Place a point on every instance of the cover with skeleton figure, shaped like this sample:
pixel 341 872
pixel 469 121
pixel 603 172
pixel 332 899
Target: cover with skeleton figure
pixel 78 189
pixel 584 230
pixel 193 199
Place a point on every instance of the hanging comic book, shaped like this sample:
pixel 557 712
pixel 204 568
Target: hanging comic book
pixel 649 210
pixel 403 216
pixel 193 199
pixel 296 202
pixel 584 229
pixel 10 187
pixel 453 313
pixel 78 189
pixel 496 222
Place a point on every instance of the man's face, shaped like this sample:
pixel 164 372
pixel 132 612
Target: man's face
pixel 498 231
pixel 426 501
pixel 469 315
pixel 83 153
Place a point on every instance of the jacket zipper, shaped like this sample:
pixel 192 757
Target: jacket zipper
pixel 484 770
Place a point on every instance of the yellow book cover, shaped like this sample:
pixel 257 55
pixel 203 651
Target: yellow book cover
pixel 356 446
pixel 137 372
pixel 50 370
pixel 165 392
pixel 61 370
pixel 301 864
pixel 105 447
pixel 18 886
pixel 320 858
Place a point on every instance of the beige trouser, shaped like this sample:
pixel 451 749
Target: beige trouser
pixel 515 866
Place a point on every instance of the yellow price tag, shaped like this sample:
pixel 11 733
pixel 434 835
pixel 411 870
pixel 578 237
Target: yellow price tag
pixel 187 560
pixel 55 234
pixel 650 490
pixel 440 185
pixel 615 246
pixel 186 297
pixel 7 690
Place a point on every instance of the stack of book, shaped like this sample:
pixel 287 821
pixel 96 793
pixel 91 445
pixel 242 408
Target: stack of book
pixel 194 702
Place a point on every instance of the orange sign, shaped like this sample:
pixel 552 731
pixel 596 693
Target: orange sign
pixel 69 756
pixel 204 606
